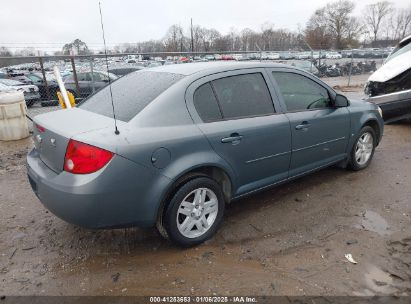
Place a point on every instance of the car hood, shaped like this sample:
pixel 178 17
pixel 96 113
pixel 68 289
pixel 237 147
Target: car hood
pixel 25 87
pixel 392 68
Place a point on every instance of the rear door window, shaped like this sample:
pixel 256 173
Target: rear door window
pixel 244 95
pixel 131 94
pixel 206 104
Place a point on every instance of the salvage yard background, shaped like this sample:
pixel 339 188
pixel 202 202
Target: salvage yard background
pixel 287 240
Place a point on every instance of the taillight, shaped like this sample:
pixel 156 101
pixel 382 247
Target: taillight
pixel 82 158
pixel 40 128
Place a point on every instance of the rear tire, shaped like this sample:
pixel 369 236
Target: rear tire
pixel 194 212
pixel 363 149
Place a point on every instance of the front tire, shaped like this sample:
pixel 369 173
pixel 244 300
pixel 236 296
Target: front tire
pixel 195 212
pixel 363 149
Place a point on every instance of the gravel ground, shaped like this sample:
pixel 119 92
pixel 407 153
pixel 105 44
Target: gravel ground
pixel 289 240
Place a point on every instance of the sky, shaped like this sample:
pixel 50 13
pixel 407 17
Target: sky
pixel 49 24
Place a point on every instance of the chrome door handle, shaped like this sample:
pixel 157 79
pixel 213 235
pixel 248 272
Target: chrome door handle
pixel 304 125
pixel 233 138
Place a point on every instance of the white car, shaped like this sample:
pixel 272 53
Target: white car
pixel 30 91
pixel 218 57
pixel 209 57
pixel 273 56
pixel 333 55
pixel 303 55
pixel 237 56
pixel 390 85
pixel 4 88
pixel 263 56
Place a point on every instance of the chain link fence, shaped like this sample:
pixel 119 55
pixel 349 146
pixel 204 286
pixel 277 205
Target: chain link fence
pixel 84 75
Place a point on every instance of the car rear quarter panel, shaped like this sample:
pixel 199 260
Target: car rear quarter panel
pixel 123 194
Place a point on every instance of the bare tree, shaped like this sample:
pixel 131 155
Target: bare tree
pixel 27 51
pixel 267 34
pixel 401 23
pixel 374 14
pixel 337 15
pixel 175 40
pixel 317 33
pixel 354 30
pixel 331 25
pixel 5 52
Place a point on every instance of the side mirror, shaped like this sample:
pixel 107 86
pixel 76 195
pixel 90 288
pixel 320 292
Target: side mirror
pixel 341 101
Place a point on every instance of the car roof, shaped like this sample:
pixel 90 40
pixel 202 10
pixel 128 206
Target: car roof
pixel 211 67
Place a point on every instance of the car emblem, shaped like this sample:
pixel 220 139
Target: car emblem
pixel 53 142
pixel 38 138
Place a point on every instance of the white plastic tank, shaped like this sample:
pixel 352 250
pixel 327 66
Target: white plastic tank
pixel 13 122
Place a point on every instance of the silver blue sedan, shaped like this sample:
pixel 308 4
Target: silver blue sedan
pixel 192 138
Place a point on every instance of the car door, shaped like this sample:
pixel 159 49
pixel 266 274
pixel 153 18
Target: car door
pixel 236 113
pixel 38 81
pixel 83 80
pixel 320 131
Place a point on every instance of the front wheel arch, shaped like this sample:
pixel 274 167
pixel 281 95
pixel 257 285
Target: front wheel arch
pixel 374 124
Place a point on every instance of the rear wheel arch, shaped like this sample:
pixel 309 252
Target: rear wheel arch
pixel 214 172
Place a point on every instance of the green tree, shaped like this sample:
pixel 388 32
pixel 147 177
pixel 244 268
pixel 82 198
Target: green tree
pixel 77 47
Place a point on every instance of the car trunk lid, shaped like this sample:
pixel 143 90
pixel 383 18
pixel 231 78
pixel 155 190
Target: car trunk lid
pixel 52 132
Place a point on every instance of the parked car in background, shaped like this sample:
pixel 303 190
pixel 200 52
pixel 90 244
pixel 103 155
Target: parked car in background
pixel 333 55
pixel 227 57
pixel 217 57
pixel 88 82
pixel 5 88
pixel 37 79
pixel 303 55
pixel 273 56
pixel 390 85
pixel 30 91
pixel 238 57
pixel 192 138
pixel 121 71
pixel 306 65
pixel 286 55
pixel 3 75
pixel 347 53
pixel 263 56
pixel 209 57
pixel 22 77
pixel 154 64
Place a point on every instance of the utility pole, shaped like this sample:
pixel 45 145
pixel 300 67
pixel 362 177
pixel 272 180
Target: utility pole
pixel 192 38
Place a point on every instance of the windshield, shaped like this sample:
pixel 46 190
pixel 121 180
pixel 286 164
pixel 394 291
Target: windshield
pixel 131 94
pixel 398 51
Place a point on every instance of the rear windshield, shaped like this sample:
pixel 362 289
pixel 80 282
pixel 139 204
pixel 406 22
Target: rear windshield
pixel 131 94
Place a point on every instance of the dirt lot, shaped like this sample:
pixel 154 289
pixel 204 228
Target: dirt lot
pixel 290 240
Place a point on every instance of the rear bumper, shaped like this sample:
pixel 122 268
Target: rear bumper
pixel 121 194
